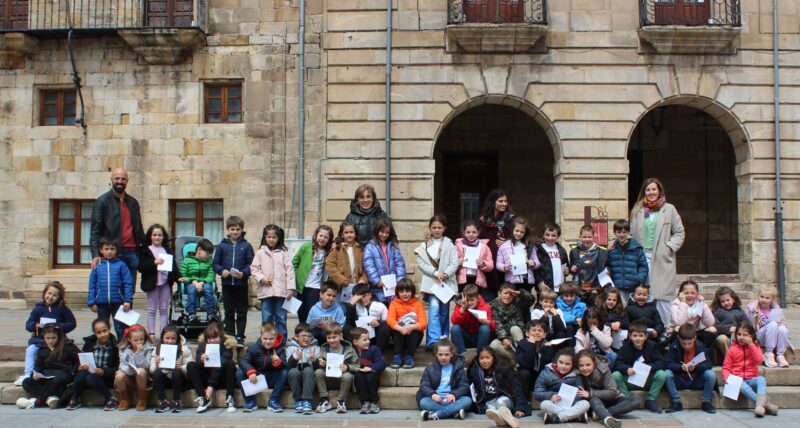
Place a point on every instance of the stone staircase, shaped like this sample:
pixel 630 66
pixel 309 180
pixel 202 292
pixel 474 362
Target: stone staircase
pixel 709 283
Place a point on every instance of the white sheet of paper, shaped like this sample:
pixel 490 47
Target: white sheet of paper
pixel 389 284
pixel 732 387
pixel 332 363
pixel 518 264
pixel 617 337
pixel 363 322
pixel 427 284
pixel 44 321
pixel 471 255
pixel 472 392
pixel 42 375
pixel 87 359
pixel 559 341
pixel 604 278
pixel 214 357
pixel 167 265
pixel 168 355
pixel 481 315
pixel 251 389
pixel 567 394
pixel 443 292
pixel 347 293
pixel 292 305
pixel 699 358
pixel 642 372
pixel 234 271
pixel 128 318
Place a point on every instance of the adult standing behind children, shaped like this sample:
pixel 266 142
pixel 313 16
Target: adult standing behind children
pixel 657 225
pixel 495 226
pixel 116 214
pixel 365 211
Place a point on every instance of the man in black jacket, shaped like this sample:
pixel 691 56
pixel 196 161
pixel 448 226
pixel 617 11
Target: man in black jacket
pixel 116 214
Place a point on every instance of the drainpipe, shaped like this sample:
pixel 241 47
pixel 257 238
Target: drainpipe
pixel 777 123
pixel 388 108
pixel 301 119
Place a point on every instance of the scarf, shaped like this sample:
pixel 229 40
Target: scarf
pixel 555 369
pixel 467 243
pixel 653 206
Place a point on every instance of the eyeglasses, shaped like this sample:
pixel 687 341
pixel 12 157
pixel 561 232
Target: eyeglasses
pixel 305 336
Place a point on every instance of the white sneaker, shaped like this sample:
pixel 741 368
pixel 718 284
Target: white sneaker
pixel 19 380
pixel 231 405
pixel 52 401
pixel 494 415
pixel 26 403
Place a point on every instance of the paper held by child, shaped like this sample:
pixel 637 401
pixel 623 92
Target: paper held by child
pixel 567 394
pixel 604 278
pixel 292 305
pixel 167 265
pixel 443 292
pixel 214 359
pixel 44 321
pixel 42 375
pixel 168 355
pixel 87 359
pixel 732 387
pixel 558 341
pixel 471 255
pixel 518 264
pixel 480 315
pixel 364 322
pixel 332 363
pixel 249 388
pixel 347 293
pixel 617 337
pixel 639 378
pixel 128 318
pixel 699 358
pixel 427 284
pixel 389 284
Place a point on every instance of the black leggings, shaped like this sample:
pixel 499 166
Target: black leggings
pixel 200 377
pixel 406 345
pixel 161 381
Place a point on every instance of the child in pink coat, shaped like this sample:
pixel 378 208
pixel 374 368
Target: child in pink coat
pixel 484 263
pixel 519 242
pixel 273 270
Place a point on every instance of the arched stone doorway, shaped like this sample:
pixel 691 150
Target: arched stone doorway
pixel 488 146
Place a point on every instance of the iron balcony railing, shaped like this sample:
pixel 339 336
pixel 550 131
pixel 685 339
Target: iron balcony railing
pixel 58 16
pixel 497 11
pixel 690 12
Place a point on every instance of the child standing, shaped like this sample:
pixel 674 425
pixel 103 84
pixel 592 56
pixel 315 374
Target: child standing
pixel 368 377
pixel 571 306
pixel 533 353
pixel 586 261
pixel 57 358
pixel 468 329
pixel 626 261
pixel 770 324
pixel 642 310
pixel 407 320
pixel 206 379
pixel 232 263
pixel 553 317
pixel 382 257
pixel 438 261
pixel 52 307
pixel 638 348
pixel 743 360
pixel 172 377
pixel 683 373
pixel 103 347
pixel 110 285
pixel 301 356
pixel 336 345
pixel 498 391
pixel 309 268
pixel 688 308
pixel 551 275
pixel 197 274
pixel 135 354
pixel 518 244
pixel 484 262
pixel 728 312
pixel 345 263
pixel 272 268
pixel 360 306
pixel 266 356
pixel 548 385
pixel 507 311
pixel 597 385
pixel 444 389
pixel 595 336
pixel 325 312
pixel 156 283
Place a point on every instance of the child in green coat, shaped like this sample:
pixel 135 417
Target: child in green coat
pixel 197 275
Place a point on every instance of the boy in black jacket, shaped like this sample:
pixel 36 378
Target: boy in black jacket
pixel 268 357
pixel 533 353
pixel 553 271
pixel 638 348
pixel 643 311
pixel 232 262
pixel 685 372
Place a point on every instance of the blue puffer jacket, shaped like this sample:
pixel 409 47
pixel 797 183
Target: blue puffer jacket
pixel 573 313
pixel 375 267
pixel 63 316
pixel 110 283
pixel 628 265
pixel 236 255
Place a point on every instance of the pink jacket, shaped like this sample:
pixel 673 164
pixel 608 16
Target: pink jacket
pixel 277 266
pixel 485 255
pixel 697 314
pixel 504 257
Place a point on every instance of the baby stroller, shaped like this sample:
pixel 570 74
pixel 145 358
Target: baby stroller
pixel 186 246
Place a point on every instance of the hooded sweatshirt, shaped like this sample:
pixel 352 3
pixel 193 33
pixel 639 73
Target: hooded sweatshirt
pixel 308 354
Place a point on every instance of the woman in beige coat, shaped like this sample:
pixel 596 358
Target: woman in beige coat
pixel 658 228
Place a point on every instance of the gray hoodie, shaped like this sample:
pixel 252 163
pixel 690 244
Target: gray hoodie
pixel 129 360
pixel 309 354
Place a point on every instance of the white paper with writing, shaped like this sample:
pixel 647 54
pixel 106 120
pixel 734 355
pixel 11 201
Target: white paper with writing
pixel 214 358
pixel 44 321
pixel 347 293
pixel 250 388
pixel 518 264
pixel 292 305
pixel 168 355
pixel 732 387
pixel 480 315
pixel 87 359
pixel 699 358
pixel 332 363
pixel 471 255
pixel 604 278
pixel 128 318
pixel 567 394
pixel 640 377
pixel 443 292
pixel 364 322
pixel 389 284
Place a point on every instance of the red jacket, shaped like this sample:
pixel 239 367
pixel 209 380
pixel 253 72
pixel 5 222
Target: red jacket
pixel 742 361
pixel 469 321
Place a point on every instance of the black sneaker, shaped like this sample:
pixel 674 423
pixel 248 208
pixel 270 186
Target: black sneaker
pixel 163 406
pixel 176 407
pixel 460 415
pixel 110 405
pixel 240 342
pixel 675 406
pixel 550 419
pixel 74 404
pixel 652 406
pixel 584 418
pixel 708 407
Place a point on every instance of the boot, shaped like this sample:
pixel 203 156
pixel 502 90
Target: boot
pixel 770 408
pixel 761 400
pixel 124 400
pixel 143 394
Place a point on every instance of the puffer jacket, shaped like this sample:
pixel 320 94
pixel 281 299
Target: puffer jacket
pixel 484 253
pixel 549 382
pixel 363 220
pixel 194 269
pixel 110 283
pixel 628 265
pixel 513 390
pixel 698 314
pixel 129 360
pixel 448 263
pixel 398 308
pixel 337 265
pixel 432 377
pixel 647 313
pixel 236 255
pixel 504 258
pixel 185 358
pixel 375 267
pixel 227 350
pixel 275 265
pixel 258 359
pixel 63 316
pixel 303 261
pixel 68 363
pixel 308 354
pixel 571 313
pixel 601 384
pixel 742 361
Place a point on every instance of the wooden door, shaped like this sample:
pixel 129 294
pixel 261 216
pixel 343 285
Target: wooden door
pixel 468 179
pixel 14 14
pixel 682 12
pixel 494 10
pixel 169 13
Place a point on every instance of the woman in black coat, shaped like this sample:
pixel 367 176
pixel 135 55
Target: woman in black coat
pixel 365 211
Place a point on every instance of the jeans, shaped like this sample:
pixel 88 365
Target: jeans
pixel 501 401
pixel 707 381
pixel 30 358
pixel 209 298
pixel 612 356
pixel 653 386
pixel 104 312
pixel 578 408
pixel 438 320
pixel 463 339
pixel 615 408
pixel 759 384
pixel 443 410
pixel 275 380
pixel 131 259
pixel 272 310
pixel 101 384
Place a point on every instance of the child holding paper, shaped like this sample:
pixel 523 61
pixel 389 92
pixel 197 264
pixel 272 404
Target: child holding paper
pixel 688 365
pixel 743 360
pixel 767 317
pixel 533 353
pixel 157 275
pixel 171 348
pixel 57 361
pixel 638 349
pixel 438 261
pixel 213 367
pixel 444 388
pixel 626 261
pixel 407 320
pixel 689 308
pixel 334 376
pixel 586 261
pixel 361 309
pixel 345 262
pixel 368 377
pixel 498 390
pixel 597 385
pixel 102 345
pixel 197 274
pixel 302 354
pixel 267 357
pixel 309 268
pixel 507 311
pixel 110 285
pixel 325 312
pixel 382 257
pixel 474 259
pixel 547 311
pixel 273 270
pixel 610 307
pixel 571 306
pixel 556 379
pixel 516 258
pixel 135 354
pixel 553 257
pixel 468 328
pixel 232 263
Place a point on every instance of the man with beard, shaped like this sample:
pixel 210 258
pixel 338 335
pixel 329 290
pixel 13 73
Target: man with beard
pixel 116 214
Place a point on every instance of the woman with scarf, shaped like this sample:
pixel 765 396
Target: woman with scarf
pixel 494 225
pixel 365 211
pixel 658 227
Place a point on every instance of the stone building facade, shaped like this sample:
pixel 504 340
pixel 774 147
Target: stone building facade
pixel 571 107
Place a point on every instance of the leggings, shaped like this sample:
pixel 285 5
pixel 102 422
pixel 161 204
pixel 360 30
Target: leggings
pixel 158 300
pixel 200 377
pixel 160 382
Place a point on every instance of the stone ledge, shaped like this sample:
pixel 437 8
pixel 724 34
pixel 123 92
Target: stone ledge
pixel 496 38
pixel 14 47
pixel 681 39
pixel 164 46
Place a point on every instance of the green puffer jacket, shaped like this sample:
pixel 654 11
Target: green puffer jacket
pixel 193 269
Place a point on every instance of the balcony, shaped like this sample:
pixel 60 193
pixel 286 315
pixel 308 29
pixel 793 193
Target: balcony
pixel 161 31
pixel 496 26
pixel 689 26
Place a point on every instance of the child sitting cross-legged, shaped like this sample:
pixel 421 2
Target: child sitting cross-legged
pixel 498 391
pixel 562 370
pixel 444 390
